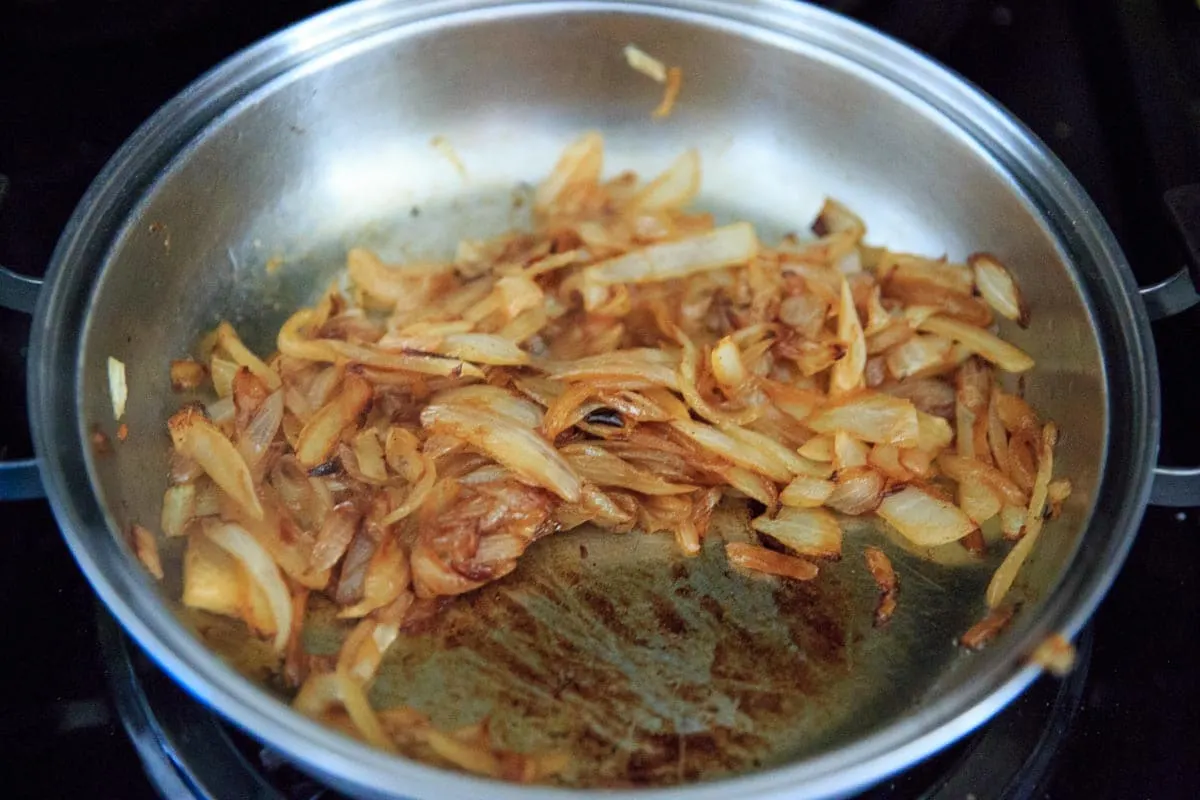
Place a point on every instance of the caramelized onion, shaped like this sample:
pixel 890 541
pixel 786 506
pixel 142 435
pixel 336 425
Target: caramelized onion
pixel 625 363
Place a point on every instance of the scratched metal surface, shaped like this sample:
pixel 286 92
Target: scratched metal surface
pixel 651 668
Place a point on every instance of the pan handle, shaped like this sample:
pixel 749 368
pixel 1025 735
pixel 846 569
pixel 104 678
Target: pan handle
pixel 20 479
pixel 1177 487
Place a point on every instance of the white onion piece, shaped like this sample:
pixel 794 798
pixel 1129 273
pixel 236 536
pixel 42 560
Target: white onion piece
pixel 673 188
pixel 227 337
pixel 645 63
pixel 580 163
pixel 1004 355
pixel 118 388
pixel 221 411
pixel 726 446
pixel 198 439
pixel 494 399
pixel 806 492
pixel 810 532
pixel 998 288
pixel 528 455
pixel 724 247
pixel 1006 573
pixel 858 491
pixel 179 506
pixel 261 569
pixel 924 519
pixel 847 373
pixel 261 430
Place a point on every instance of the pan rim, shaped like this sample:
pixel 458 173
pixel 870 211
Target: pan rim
pixel 134 601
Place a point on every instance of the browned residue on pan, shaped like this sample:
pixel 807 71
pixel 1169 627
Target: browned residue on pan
pixel 648 667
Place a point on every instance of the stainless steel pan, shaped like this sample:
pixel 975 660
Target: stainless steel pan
pixel 653 669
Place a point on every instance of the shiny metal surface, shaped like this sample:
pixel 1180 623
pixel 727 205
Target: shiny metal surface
pixel 321 136
pixel 1171 296
pixel 19 478
pixel 188 753
pixel 18 292
pixel 1174 487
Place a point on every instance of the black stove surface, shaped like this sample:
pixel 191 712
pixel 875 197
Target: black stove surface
pixel 1113 86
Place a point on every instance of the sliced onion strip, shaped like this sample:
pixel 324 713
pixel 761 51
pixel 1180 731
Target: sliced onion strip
pixel 261 569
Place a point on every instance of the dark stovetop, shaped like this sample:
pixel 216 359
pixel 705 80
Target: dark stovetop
pixel 1113 86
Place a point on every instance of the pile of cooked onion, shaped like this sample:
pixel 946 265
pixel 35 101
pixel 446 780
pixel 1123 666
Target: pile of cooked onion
pixel 626 364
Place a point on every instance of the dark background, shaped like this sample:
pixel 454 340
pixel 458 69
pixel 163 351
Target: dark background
pixel 1112 86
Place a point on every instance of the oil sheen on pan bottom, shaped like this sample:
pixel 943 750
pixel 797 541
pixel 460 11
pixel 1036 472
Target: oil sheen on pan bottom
pixel 652 668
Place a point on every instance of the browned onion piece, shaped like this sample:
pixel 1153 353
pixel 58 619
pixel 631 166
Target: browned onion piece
pixel 212 579
pixel 261 429
pixel 651 367
pixel 579 164
pixel 1006 573
pixel 494 399
pixel 930 395
pixel 880 567
pixel 516 447
pixel 228 339
pixel 806 492
pixel 353 573
pixel 741 453
pixel 145 547
pixel 961 307
pixel 810 532
pixel 1004 355
pixel 335 536
pixel 673 188
pixel 847 373
pixel 988 628
pixel 593 463
pixel 858 490
pixel 1055 654
pixel 478 348
pixel 887 459
pixel 386 578
pixel 760 559
pixel 187 375
pixel 919 355
pixel 964 469
pixel 198 439
pixel 321 433
pixel 261 569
